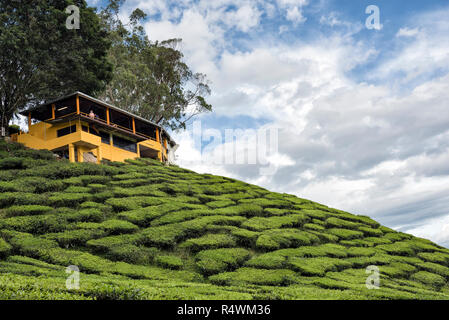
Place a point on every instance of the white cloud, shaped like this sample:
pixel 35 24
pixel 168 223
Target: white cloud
pixel 359 147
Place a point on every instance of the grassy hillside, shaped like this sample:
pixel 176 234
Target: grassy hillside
pixel 142 230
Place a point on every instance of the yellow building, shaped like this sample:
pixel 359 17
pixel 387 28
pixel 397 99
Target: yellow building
pixel 84 129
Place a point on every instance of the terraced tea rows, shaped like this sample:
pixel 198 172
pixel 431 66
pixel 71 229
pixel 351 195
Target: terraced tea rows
pixel 141 230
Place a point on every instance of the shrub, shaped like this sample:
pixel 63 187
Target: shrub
pixel 107 243
pixel 63 199
pixel 429 279
pixel 26 210
pixel 317 266
pixel 245 237
pixel 132 203
pixel 267 261
pixel 77 189
pixel 169 262
pixel 11 163
pixel 279 277
pixel 290 221
pixel 36 224
pixel 371 232
pixel 333 222
pixel 397 248
pixel 264 203
pixel 32 246
pixel 435 257
pixel 312 226
pixel 345 233
pixel 5 248
pixel 118 226
pixel 434 268
pixel 284 238
pixel 220 204
pixel 74 237
pixel 209 241
pixel 220 260
pixel 397 269
pixel 131 253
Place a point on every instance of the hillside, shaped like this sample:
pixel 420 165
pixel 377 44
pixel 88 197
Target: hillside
pixel 142 230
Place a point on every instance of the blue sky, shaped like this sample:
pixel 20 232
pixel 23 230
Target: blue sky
pixel 361 114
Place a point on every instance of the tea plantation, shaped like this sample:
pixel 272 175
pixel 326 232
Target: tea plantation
pixel 142 230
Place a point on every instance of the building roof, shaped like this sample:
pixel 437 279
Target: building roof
pixel 83 95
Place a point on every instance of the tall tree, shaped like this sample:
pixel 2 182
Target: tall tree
pixel 40 58
pixel 150 78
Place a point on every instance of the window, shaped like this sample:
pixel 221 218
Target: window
pixel 65 131
pixel 105 138
pixel 125 144
pixel 65 107
pixel 85 128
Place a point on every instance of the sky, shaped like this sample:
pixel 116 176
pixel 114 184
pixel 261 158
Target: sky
pixel 347 112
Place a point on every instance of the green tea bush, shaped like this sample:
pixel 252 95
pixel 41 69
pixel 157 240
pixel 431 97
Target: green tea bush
pixel 63 199
pixel 430 279
pixel 289 221
pixel 245 237
pixel 40 224
pixel 32 246
pixel 220 204
pixel 11 163
pixel 77 189
pixel 71 238
pixel 435 257
pixel 333 222
pixel 397 270
pixel 132 203
pixel 397 248
pixel 180 216
pixel 434 268
pixel 265 203
pixel 371 231
pixel 169 262
pixel 219 260
pixel 131 253
pixel 114 226
pixel 284 238
pixel 107 243
pixel 5 248
pixel 279 277
pixel 267 261
pixel 27 210
pixel 317 266
pixel 345 233
pixel 209 241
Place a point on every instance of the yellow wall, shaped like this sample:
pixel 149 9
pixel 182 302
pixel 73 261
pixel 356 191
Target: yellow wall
pixel 43 136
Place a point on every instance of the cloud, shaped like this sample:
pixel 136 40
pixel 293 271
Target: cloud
pixel 379 148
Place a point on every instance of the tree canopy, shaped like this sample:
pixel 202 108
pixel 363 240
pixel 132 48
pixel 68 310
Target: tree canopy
pixel 40 58
pixel 150 78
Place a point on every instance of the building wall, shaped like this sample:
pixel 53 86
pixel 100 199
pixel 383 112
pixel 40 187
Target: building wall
pixel 44 136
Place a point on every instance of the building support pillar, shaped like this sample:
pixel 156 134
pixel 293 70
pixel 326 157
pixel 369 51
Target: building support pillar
pixel 99 157
pixel 71 152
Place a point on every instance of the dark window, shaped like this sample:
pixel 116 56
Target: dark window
pixel 105 137
pixel 146 129
pixel 65 107
pixel 121 119
pixel 125 144
pixel 86 106
pixel 65 131
pixel 85 128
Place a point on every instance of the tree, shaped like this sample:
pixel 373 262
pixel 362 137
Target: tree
pixel 41 59
pixel 150 78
